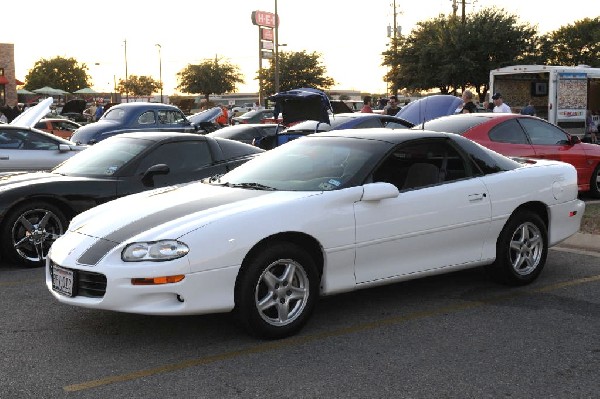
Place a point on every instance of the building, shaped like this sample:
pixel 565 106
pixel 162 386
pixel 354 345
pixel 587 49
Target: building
pixel 8 80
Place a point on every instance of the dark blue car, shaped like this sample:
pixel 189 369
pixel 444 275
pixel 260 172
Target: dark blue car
pixel 132 117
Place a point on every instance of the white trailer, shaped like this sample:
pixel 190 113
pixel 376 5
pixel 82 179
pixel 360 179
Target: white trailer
pixel 560 94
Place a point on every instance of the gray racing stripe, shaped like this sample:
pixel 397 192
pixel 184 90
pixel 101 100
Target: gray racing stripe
pixel 101 247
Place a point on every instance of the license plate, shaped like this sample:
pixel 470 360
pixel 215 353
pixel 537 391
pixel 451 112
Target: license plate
pixel 62 280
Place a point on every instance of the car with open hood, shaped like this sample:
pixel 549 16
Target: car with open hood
pixel 328 213
pixel 25 148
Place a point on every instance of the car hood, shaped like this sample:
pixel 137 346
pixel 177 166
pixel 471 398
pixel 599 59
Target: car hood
pixel 74 106
pixel 428 108
pixel 190 206
pixel 209 115
pixel 33 115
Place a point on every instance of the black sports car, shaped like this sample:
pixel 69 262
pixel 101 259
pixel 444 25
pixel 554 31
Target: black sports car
pixel 36 207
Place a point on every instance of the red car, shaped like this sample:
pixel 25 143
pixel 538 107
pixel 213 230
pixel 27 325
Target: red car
pixel 526 136
pixel 60 127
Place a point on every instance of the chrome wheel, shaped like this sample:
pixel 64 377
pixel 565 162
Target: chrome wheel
pixel 521 249
pixel 526 248
pixel 282 292
pixel 34 231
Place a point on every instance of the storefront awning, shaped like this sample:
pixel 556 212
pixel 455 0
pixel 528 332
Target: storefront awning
pixel 18 82
pixel 3 80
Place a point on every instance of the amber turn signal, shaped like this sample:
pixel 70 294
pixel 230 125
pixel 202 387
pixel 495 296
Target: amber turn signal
pixel 157 280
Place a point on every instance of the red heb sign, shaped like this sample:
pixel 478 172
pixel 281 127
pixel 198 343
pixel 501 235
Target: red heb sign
pixel 263 18
pixel 266 34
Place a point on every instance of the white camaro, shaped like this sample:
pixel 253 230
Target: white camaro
pixel 324 214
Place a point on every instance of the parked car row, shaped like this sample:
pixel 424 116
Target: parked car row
pixel 156 221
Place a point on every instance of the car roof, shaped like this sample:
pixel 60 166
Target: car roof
pixel 145 105
pixel 156 135
pixel 382 134
pixel 460 123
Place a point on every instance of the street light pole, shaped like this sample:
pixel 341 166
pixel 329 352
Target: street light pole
pixel 160 71
pixel 126 78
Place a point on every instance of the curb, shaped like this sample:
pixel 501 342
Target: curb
pixel 589 242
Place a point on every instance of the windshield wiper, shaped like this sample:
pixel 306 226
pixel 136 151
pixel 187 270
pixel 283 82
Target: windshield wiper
pixel 253 186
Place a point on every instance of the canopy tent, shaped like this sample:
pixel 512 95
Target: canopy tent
pixel 23 91
pixel 86 90
pixel 50 91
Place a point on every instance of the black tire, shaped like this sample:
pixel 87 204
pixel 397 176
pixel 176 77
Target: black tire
pixel 284 278
pixel 595 182
pixel 29 230
pixel 521 249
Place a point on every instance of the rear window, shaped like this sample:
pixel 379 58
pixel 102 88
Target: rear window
pixel 450 124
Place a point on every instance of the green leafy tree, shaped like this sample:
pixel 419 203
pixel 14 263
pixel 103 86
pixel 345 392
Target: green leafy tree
pixel 60 73
pixel 447 54
pixel 296 69
pixel 209 77
pixel 138 86
pixel 575 44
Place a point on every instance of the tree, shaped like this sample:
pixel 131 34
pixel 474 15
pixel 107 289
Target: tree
pixel 575 44
pixel 138 86
pixel 446 54
pixel 209 77
pixel 296 69
pixel 60 73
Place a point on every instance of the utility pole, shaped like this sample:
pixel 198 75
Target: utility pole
pixel 395 34
pixel 126 81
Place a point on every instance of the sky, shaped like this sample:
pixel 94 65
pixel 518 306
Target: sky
pixel 350 35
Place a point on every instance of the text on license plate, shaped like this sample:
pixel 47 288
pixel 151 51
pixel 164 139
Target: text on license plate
pixel 62 280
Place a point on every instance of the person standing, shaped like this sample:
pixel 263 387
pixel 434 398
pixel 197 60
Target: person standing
pixel 499 105
pixel 99 111
pixel 366 108
pixel 392 107
pixel 469 106
pixel 591 129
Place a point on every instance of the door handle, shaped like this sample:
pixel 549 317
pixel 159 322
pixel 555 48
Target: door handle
pixel 4 158
pixel 477 197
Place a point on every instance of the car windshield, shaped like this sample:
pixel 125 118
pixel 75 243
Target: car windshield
pixel 103 159
pixel 308 164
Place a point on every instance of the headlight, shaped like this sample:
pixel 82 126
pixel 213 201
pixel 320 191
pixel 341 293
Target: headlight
pixel 154 251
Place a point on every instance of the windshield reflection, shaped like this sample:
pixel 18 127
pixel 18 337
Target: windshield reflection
pixel 103 159
pixel 307 164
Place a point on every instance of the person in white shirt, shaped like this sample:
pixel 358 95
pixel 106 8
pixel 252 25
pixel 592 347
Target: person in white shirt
pixel 499 105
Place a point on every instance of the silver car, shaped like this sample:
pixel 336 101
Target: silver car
pixel 23 147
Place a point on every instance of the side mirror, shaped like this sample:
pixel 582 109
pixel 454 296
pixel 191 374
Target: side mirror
pixel 154 170
pixel 574 140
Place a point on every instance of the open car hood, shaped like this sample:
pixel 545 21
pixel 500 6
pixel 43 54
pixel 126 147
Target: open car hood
pixel 33 115
pixel 428 108
pixel 302 104
pixel 209 115
pixel 74 106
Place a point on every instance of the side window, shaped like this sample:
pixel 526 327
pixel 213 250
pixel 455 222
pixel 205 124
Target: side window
pixel 147 118
pixel 542 133
pixel 508 132
pixel 166 117
pixel 10 140
pixel 181 157
pixel 422 163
